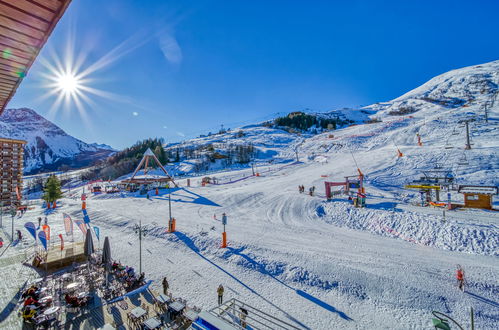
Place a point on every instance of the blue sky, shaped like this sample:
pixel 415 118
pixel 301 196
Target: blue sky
pixel 182 68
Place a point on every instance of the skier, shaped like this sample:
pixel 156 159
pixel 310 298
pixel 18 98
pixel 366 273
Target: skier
pixel 39 222
pixel 220 292
pixel 19 235
pixel 165 286
pixel 46 221
pixel 460 277
pixel 1 242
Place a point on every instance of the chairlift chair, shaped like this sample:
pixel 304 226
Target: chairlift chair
pixel 463 160
pixel 448 145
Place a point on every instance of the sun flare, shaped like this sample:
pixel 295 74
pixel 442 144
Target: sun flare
pixel 68 83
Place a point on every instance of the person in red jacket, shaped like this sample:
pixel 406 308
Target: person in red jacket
pixel 460 277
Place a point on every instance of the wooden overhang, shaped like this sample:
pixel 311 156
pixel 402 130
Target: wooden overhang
pixel 25 26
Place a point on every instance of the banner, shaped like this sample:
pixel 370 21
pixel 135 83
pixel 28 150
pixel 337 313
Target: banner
pixel 62 242
pixel 82 226
pixel 97 232
pixel 31 228
pixel 86 218
pixel 68 224
pixel 46 230
pixel 43 239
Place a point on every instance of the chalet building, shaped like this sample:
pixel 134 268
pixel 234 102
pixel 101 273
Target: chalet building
pixel 11 170
pixel 479 197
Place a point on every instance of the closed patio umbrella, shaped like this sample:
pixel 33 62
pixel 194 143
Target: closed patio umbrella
pixel 89 244
pixel 106 257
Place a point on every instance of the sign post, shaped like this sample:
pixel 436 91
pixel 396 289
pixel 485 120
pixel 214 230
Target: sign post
pixel 224 234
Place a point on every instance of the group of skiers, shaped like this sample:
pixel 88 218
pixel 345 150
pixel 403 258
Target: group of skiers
pixel 45 222
pixel 311 190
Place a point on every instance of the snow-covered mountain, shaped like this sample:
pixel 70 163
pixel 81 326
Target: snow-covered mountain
pixel 49 147
pixel 435 111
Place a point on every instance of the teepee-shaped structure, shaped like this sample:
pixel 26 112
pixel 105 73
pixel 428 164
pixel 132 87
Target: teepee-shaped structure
pixel 145 177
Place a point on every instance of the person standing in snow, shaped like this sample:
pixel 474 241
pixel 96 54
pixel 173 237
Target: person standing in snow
pixel 165 285
pixel 460 277
pixel 46 221
pixel 220 292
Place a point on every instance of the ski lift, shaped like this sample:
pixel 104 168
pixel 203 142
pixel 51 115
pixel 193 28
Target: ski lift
pixel 463 160
pixel 448 145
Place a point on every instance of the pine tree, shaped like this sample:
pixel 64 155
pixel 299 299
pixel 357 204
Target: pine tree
pixel 52 189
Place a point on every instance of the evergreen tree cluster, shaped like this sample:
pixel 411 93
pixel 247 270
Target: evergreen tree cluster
pixel 231 153
pixel 302 121
pixel 127 160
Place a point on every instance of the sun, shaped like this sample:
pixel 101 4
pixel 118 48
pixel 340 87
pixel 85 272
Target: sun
pixel 68 83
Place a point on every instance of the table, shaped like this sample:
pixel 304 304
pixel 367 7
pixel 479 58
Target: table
pixel 152 323
pixel 82 294
pixel 45 299
pixel 138 312
pixel 163 299
pixel 191 315
pixel 51 310
pixel 42 290
pixel 177 306
pixel 73 285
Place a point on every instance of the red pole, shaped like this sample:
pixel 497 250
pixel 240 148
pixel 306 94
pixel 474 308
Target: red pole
pixel 224 240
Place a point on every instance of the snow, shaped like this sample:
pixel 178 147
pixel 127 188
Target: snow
pixel 315 263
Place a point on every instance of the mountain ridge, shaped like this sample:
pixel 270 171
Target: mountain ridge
pixel 48 146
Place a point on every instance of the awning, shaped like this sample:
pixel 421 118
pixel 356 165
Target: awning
pixel 478 190
pixel 25 26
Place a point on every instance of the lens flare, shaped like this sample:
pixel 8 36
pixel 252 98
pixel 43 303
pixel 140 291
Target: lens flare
pixel 68 83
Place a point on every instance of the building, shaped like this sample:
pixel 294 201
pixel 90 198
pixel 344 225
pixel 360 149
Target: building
pixel 479 197
pixel 11 167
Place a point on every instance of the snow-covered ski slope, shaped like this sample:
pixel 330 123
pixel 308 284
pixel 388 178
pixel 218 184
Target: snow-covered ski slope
pixel 328 265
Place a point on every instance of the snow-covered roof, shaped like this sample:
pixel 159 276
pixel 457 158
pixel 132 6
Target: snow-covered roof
pixel 483 190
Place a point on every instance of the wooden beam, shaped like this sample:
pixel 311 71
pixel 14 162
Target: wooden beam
pixel 31 9
pixel 23 17
pixel 19 27
pixel 12 62
pixel 14 35
pixel 8 78
pixel 18 45
pixel 50 4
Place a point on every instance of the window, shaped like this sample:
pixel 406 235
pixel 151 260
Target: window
pixel 472 197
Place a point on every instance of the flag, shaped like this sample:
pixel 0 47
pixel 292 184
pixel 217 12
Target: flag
pixel 68 224
pixel 46 230
pixel 62 242
pixel 97 232
pixel 18 193
pixel 82 226
pixel 86 218
pixel 43 239
pixel 31 228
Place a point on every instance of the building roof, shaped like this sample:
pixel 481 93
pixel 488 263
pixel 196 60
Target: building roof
pixel 479 190
pixel 12 140
pixel 25 26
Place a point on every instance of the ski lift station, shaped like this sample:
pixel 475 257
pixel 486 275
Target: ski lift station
pixel 479 197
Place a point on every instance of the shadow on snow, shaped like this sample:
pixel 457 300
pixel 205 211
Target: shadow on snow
pixel 188 241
